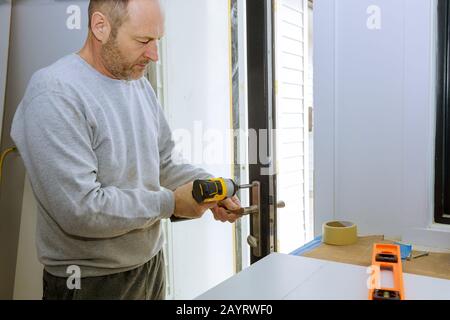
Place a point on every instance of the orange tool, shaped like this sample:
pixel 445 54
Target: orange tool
pixel 386 257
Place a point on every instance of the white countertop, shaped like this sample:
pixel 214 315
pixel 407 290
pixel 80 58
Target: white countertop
pixel 286 277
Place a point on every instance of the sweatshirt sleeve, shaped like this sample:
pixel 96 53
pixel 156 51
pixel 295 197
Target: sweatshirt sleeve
pixel 174 174
pixel 54 140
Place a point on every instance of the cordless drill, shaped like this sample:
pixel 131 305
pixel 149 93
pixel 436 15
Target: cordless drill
pixel 215 190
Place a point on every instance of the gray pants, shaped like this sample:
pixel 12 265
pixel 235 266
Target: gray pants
pixel 144 283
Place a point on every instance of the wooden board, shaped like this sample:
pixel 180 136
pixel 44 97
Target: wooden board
pixel 435 265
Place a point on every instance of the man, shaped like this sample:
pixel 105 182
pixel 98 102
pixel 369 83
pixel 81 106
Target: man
pixel 97 150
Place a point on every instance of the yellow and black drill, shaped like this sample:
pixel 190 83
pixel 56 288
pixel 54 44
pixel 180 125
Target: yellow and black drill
pixel 215 190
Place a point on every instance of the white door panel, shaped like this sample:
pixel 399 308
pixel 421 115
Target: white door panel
pixel 197 97
pixel 292 118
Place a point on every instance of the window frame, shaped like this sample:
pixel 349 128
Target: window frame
pixel 442 154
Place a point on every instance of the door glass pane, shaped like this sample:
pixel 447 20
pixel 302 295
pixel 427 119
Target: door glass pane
pixel 293 81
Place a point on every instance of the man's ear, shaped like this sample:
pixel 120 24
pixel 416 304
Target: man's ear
pixel 101 28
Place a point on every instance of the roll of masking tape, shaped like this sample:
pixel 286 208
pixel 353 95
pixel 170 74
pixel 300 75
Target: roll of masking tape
pixel 339 233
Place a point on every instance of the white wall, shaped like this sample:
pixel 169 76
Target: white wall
pixel 28 281
pixel 374 117
pixel 198 95
pixel 5 20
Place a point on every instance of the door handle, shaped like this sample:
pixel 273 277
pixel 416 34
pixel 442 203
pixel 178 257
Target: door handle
pixel 254 239
pixel 281 204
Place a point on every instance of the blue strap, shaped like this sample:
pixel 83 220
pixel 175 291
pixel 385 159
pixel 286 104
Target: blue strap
pixel 308 247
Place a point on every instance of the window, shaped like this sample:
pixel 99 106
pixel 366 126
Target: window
pixel 442 164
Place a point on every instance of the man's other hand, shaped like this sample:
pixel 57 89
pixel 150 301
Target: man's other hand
pixel 220 212
pixel 186 206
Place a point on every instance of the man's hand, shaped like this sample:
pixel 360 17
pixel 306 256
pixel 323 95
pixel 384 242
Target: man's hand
pixel 221 213
pixel 186 206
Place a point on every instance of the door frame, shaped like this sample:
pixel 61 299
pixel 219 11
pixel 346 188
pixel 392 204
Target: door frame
pixel 261 116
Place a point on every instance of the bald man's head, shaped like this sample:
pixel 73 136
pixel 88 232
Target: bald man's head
pixel 126 34
pixel 115 10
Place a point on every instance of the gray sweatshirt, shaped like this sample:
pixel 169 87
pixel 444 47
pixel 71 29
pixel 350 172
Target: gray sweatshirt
pixel 98 155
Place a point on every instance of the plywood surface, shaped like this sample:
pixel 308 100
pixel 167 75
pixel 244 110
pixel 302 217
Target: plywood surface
pixel 435 265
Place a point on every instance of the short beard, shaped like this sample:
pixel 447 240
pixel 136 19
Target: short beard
pixel 113 59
